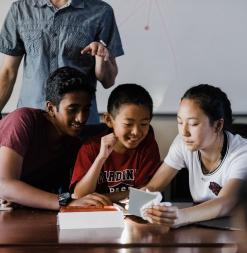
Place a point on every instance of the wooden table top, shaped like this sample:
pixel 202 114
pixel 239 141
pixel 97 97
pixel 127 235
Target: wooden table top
pixel 33 228
pixel 76 249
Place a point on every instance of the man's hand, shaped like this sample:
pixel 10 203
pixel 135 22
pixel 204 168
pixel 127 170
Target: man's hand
pixel 105 65
pixel 97 49
pixel 93 199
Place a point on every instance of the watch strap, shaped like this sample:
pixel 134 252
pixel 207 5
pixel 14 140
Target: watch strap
pixel 64 198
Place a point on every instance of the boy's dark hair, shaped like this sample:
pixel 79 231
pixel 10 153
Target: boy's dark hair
pixel 213 101
pixel 65 80
pixel 129 93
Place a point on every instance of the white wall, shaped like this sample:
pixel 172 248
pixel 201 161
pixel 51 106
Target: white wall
pixel 188 42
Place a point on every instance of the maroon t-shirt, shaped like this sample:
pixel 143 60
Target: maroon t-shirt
pixel 120 171
pixel 47 162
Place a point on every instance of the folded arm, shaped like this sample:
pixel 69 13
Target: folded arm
pixel 12 189
pixel 88 183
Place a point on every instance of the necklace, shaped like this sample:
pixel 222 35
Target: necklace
pixel 216 164
pixel 214 167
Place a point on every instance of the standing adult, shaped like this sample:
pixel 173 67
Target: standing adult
pixel 54 33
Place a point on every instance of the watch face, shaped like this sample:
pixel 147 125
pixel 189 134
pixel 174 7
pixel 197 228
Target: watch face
pixel 64 198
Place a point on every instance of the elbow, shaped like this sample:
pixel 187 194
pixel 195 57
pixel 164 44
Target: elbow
pixel 227 205
pixel 4 190
pixel 108 82
pixel 78 193
pixel 109 77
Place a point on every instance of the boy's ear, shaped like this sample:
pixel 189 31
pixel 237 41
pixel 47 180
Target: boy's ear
pixel 50 108
pixel 107 118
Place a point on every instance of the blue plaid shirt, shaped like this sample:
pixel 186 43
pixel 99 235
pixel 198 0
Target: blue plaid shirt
pixel 50 38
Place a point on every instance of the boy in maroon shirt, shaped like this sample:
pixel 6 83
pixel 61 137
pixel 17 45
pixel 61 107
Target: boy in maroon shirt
pixel 37 148
pixel 124 155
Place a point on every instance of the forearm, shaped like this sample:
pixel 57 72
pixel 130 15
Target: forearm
pixel 106 71
pixel 210 209
pixel 156 184
pixel 24 194
pixel 218 207
pixel 6 86
pixel 88 183
pixel 161 178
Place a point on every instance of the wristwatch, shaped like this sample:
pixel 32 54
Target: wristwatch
pixel 64 198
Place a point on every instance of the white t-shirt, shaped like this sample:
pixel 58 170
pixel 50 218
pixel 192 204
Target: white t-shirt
pixel 203 186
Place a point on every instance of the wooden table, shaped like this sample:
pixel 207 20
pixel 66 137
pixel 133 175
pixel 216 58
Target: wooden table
pixel 36 231
pixel 79 249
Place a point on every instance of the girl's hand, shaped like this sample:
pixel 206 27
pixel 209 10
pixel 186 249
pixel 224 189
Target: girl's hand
pixel 107 144
pixel 171 216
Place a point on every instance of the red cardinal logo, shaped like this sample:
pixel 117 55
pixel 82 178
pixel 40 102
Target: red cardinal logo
pixel 215 188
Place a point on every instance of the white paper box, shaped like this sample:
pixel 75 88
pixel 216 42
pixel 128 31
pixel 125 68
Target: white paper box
pixel 88 218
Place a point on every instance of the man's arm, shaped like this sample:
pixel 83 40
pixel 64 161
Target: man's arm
pixel 12 189
pixel 8 74
pixel 106 68
pixel 106 71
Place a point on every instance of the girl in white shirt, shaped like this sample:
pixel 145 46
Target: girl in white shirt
pixel 241 218
pixel 215 158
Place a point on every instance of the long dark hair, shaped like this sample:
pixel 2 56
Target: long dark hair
pixel 213 101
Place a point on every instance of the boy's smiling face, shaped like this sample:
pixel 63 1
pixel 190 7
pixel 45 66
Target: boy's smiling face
pixel 130 125
pixel 72 113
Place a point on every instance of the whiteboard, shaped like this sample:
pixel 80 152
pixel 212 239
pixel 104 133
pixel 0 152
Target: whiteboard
pixel 171 45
